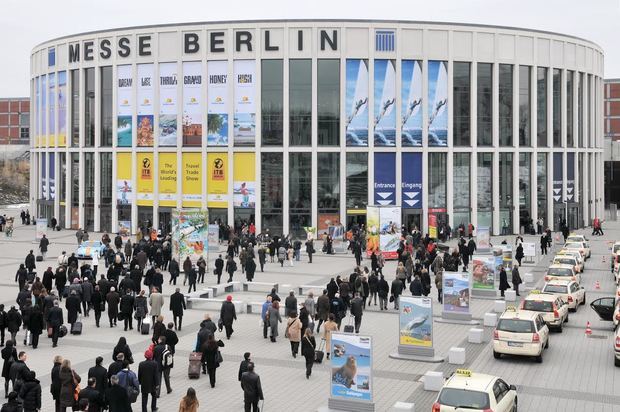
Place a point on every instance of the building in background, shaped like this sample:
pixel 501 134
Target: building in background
pixel 14 150
pixel 306 123
pixel 612 141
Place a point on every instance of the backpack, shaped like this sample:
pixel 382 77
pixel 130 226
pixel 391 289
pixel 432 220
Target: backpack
pixel 167 358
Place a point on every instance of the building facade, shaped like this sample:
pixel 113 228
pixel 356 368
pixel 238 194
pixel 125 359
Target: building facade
pixel 307 122
pixel 15 121
pixel 612 141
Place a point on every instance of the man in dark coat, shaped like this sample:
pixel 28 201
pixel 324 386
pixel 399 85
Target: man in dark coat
pixel 228 314
pixel 100 374
pixel 112 299
pixel 396 290
pixel 250 268
pixel 35 325
pixel 98 304
pixel 290 304
pixel 116 397
pixel 61 281
pixel 116 366
pixel 503 280
pixel 21 277
pixel 516 278
pixel 322 309
pixel 29 262
pixel 43 244
pixel 177 306
pixel 30 392
pixel 332 288
pixel 252 390
pixel 148 378
pixel 96 403
pixel 171 337
pixel 219 268
pixel 261 258
pixel 173 268
pixel 416 286
pixel 191 278
pixel 357 310
pixel 55 320
pixel 187 265
pixel 74 306
pixel 126 308
pixel 519 253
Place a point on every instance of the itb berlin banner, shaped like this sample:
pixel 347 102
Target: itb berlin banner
pixel 456 292
pixel 192 179
pixel 351 367
pixel 356 104
pixel 385 179
pixel 437 103
pixel 168 179
pixel 245 110
pixel 217 105
pixel 145 105
pixel 411 103
pixel 145 179
pixel 124 105
pixel 217 180
pixel 192 104
pixel 168 104
pixel 385 103
pixel 124 189
pixel 416 321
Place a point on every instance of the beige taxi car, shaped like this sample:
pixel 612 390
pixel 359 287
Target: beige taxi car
pixel 522 333
pixel 551 307
pixel 562 259
pixel 469 391
pixel 581 262
pixel 559 271
pixel 569 290
pixel 582 247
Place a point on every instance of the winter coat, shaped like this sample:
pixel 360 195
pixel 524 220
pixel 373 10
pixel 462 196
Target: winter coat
pixel 14 320
pixel 67 387
pixel 147 376
pixel 519 252
pixel 503 280
pixel 516 277
pixel 322 307
pixel 294 329
pixel 113 299
pixel 157 302
pixel 383 288
pixel 228 312
pixel 141 307
pixel 55 385
pixel 439 280
pixel 274 319
pixel 30 394
pixel 416 287
pixel 9 355
pixel 328 328
pixel 308 345
pixel 290 305
pixel 209 354
pixel 126 305
pixel 74 307
pixel 177 303
pixel 35 322
pixel 397 288
pixel 117 398
pixel 357 307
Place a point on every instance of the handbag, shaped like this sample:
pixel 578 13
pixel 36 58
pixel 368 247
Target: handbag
pixel 391 298
pixel 76 391
pixel 286 335
pixel 219 358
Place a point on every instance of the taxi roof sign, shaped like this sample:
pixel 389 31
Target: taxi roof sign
pixel 463 372
pixel 511 308
pixel 535 292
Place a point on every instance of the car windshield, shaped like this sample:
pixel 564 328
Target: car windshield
pixel 538 305
pixel 555 289
pixel 564 261
pixel 559 272
pixel 516 326
pixel 573 245
pixel 464 398
pixel 574 239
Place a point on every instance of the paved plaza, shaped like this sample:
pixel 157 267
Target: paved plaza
pixel 577 373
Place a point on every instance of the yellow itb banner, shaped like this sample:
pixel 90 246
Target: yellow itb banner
pixel 192 179
pixel 145 179
pixel 124 186
pixel 217 180
pixel 168 179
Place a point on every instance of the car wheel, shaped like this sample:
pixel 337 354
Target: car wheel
pixel 547 344
pixel 497 355
pixel 573 309
pixel 539 358
pixel 560 328
pixel 583 302
pixel 514 406
pixel 616 361
pixel 566 320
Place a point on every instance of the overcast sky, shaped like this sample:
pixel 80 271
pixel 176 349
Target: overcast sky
pixel 25 23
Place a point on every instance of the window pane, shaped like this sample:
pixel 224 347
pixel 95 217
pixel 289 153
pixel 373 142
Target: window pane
pixel 271 102
pixel 300 192
pixel 89 114
pixel 106 106
pixel 357 180
pixel 570 75
pixel 461 188
pixel 524 106
pixel 485 189
pixel 557 109
pixel 300 102
pixel 541 183
pixel 272 183
pixel 541 106
pixel 462 106
pixel 437 180
pixel 505 104
pixel 485 104
pixel 328 102
pixel 75 108
pixel 505 192
pixel 105 169
pixel 328 182
pixel 525 217
pixel 580 109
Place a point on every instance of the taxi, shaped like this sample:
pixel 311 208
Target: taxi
pixel 520 332
pixel 574 237
pixel 556 271
pixel 582 247
pixel 551 307
pixel 615 249
pixel 609 309
pixel 469 391
pixel 617 347
pixel 568 290
pixel 562 259
pixel 572 252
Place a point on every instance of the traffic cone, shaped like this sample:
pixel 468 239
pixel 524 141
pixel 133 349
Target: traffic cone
pixel 597 285
pixel 588 329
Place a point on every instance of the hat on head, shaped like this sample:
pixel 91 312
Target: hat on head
pixel 229 298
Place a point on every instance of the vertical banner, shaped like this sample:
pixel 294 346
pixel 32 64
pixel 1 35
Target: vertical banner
pixel 373 226
pixel 61 100
pixel 385 179
pixel 214 238
pixel 483 272
pixel 192 179
pixel 145 179
pixel 416 321
pixel 217 105
pixel 124 190
pixel 483 239
pixel 43 175
pixel 570 177
pixel 217 180
pixel 356 104
pixel 168 104
pixel 43 111
pixel 192 104
pixel 558 195
pixel 245 111
pixel 190 234
pixel 432 225
pixel 145 105
pixel 411 180
pixel 124 105
pixel 168 179
pixel 244 180
pixel 52 176
pixel 37 104
pixel 351 367
pixel 437 103
pixel 51 108
pixel 385 103
pixel 411 103
pixel 389 234
pixel 456 292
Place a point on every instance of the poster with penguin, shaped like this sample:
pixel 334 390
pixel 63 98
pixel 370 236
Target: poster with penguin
pixel 351 367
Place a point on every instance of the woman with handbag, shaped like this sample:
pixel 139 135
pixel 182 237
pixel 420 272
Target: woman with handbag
pixel 293 332
pixel 308 346
pixel 141 308
pixel 211 357
pixel 69 386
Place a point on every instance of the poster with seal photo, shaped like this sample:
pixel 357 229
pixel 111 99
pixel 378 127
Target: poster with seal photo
pixel 351 367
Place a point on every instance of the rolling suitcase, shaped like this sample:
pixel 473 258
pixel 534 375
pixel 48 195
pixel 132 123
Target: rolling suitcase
pixel 39 258
pixel 76 328
pixel 349 328
pixel 319 353
pixel 193 370
pixel 145 328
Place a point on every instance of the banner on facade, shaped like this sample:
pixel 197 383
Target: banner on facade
pixel 43 112
pixel 217 180
pixel 351 367
pixel 411 103
pixel 437 103
pixel 411 180
pixel 124 188
pixel 483 271
pixel 385 103
pixel 52 176
pixel 245 110
pixel 356 104
pixel 389 232
pixel 192 104
pixel 217 106
pixel 570 177
pixel 124 105
pixel 61 100
pixel 190 234
pixel 432 225
pixel 167 179
pixel 244 180
pixel 373 226
pixel 192 179
pixel 51 108
pixel 456 291
pixel 558 178
pixel 168 104
pixel 43 176
pixel 146 96
pixel 385 179
pixel 145 179
pixel 37 103
pixel 416 321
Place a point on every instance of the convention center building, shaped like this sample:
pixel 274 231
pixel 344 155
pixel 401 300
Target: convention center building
pixel 296 123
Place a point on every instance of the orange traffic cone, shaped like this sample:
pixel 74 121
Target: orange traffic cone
pixel 588 329
pixel 597 285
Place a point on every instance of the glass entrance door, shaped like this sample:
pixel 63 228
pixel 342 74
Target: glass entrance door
pixel 412 218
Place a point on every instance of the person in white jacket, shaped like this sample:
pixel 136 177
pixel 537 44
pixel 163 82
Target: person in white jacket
pixel 63 260
pixel 95 263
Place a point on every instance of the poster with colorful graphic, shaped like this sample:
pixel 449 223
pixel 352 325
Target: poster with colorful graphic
pixel 483 239
pixel 416 321
pixel 372 232
pixel 145 179
pixel 432 225
pixel 43 112
pixel 385 103
pixel 506 259
pixel 245 111
pixel 168 179
pixel 217 180
pixel 146 95
pixel 356 105
pixel 244 180
pixel 192 104
pixel 389 231
pixel 52 176
pixel 61 100
pixel 124 230
pixel 124 189
pixel 190 234
pixel 483 272
pixel 411 103
pixel 124 105
pixel 192 179
pixel 437 103
pixel 351 367
pixel 51 108
pixel 217 103
pixel 214 238
pixel 168 104
pixel 456 291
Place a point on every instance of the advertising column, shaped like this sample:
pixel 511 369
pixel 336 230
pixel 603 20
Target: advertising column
pixel 124 106
pixel 145 105
pixel 483 269
pixel 245 111
pixel 168 104
pixel 217 106
pixel 415 330
pixel 190 234
pixel 456 303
